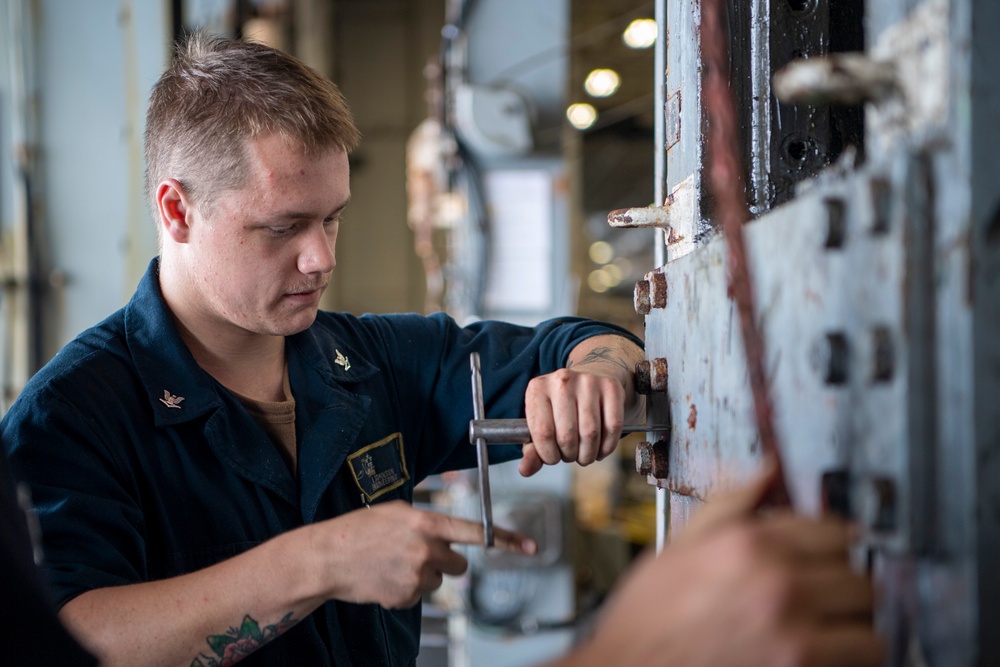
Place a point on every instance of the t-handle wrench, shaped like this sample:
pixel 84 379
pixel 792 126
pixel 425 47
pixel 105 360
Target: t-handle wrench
pixel 483 432
pixel 482 459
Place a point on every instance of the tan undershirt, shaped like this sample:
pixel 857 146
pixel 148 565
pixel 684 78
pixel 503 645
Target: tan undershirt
pixel 278 421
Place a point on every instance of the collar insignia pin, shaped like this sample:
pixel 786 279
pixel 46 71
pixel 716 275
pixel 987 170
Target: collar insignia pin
pixel 170 400
pixel 341 360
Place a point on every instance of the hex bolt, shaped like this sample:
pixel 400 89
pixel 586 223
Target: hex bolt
pixel 651 376
pixel 875 499
pixel 644 458
pixel 836 224
pixel 831 358
pixel 883 351
pixel 641 297
pixel 653 459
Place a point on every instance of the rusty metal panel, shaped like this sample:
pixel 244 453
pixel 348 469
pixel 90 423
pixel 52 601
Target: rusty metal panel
pixel 824 240
pixel 878 293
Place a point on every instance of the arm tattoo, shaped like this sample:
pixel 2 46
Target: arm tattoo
pixel 238 643
pixel 601 355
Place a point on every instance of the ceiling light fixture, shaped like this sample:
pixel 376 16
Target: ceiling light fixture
pixel 640 34
pixel 581 115
pixel 602 82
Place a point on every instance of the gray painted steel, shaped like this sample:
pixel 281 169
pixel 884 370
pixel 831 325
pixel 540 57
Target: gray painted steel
pixel 878 292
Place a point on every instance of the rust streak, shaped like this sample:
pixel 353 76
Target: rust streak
pixel 673 237
pixel 620 215
pixel 725 179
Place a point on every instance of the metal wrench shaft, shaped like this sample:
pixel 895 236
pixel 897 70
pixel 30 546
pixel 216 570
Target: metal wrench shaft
pixel 515 431
pixel 482 459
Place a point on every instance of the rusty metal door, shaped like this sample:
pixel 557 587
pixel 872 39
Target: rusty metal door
pixel 871 166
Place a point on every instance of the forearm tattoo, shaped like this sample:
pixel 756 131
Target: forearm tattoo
pixel 238 643
pixel 601 355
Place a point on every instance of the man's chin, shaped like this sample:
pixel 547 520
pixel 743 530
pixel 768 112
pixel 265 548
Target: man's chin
pixel 293 324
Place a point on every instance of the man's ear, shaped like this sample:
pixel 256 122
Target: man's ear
pixel 175 210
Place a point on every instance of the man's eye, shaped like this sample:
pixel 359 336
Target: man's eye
pixel 279 231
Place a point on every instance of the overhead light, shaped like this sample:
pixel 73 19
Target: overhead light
pixel 624 265
pixel 601 252
pixel 581 115
pixel 597 281
pixel 602 82
pixel 603 279
pixel 615 273
pixel 640 34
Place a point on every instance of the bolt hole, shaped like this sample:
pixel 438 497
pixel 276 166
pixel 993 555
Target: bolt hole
pixel 884 354
pixel 831 358
pixel 835 493
pixel 799 7
pixel 800 150
pixel 836 225
pixel 881 194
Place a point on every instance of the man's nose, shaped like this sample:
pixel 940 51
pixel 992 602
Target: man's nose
pixel 317 254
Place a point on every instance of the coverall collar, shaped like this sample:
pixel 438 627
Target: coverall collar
pixel 329 412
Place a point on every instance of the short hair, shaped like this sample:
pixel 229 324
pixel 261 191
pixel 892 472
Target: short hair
pixel 218 94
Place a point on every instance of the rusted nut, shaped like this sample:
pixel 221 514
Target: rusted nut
pixel 651 292
pixel 641 297
pixel 644 458
pixel 653 459
pixel 657 290
pixel 651 376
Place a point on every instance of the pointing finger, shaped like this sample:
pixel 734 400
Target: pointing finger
pixel 461 531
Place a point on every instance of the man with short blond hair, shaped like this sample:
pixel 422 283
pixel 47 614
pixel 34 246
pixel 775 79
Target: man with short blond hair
pixel 221 470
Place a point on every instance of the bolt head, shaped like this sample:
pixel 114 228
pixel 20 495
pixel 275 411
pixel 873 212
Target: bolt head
pixel 644 458
pixel 651 376
pixel 658 290
pixel 642 297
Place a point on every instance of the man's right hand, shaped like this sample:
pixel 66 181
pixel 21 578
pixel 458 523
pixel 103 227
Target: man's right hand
pixel 389 554
pixel 739 589
pixel 392 553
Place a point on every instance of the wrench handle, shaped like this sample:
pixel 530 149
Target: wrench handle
pixel 515 431
pixel 482 458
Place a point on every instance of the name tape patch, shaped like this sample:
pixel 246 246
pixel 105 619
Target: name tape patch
pixel 379 467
